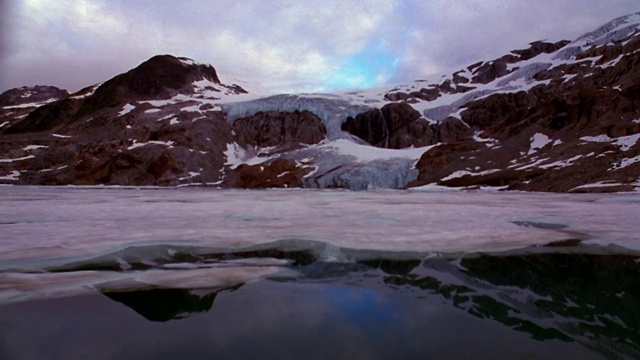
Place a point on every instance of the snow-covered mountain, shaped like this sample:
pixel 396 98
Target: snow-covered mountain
pixel 559 117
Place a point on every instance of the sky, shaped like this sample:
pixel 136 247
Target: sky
pixel 280 45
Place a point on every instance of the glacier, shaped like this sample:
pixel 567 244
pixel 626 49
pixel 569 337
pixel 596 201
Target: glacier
pixel 332 109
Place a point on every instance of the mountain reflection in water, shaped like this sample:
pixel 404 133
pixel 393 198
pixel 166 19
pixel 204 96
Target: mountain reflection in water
pixel 590 299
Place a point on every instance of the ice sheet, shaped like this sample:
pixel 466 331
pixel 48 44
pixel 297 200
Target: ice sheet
pixel 42 223
pixel 120 230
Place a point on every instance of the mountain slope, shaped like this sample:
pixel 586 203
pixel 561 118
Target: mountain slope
pixel 561 117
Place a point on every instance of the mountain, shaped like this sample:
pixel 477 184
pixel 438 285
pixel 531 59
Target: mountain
pixel 561 117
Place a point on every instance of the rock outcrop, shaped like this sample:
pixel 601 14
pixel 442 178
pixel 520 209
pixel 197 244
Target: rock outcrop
pixel 395 126
pixel 32 95
pixel 281 129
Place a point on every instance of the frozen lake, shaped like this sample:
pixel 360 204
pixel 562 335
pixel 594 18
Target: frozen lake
pixel 550 273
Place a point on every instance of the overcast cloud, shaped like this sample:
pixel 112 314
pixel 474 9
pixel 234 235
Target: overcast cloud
pixel 296 45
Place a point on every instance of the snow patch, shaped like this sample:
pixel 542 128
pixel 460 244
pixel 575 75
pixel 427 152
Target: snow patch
pixel 367 153
pixel 538 141
pixel 13 176
pixel 461 173
pixel 82 96
pixel 596 185
pixel 624 142
pixel 30 105
pixel 531 165
pixel 136 144
pixel 4 124
pixel 149 111
pixel 191 175
pixel 627 142
pixel 192 108
pixel 612 63
pixel 237 155
pixel 34 147
pixel 562 163
pixel 626 162
pixel 61 136
pixel 126 109
pixel 17 159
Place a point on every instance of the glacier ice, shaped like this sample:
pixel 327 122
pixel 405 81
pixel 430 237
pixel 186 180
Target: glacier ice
pixel 331 109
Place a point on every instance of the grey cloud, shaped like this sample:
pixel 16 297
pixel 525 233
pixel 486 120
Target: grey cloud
pixel 297 46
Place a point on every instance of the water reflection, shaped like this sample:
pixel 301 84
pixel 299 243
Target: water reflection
pixel 166 304
pixel 590 299
pixel 593 300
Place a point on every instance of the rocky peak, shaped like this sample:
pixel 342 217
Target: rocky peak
pixel 540 47
pixel 160 77
pixel 32 95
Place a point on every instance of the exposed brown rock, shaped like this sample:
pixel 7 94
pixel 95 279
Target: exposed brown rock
pixel 31 94
pixel 280 173
pixel 452 130
pixel 395 126
pixel 538 47
pixel 266 129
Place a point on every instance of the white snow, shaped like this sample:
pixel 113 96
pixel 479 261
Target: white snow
pixel 149 111
pixel 191 174
pixel 462 173
pixel 17 159
pixel 627 142
pixel 562 163
pixel 61 136
pixel 34 147
pixel 170 116
pixel 4 124
pixel 538 141
pixel 93 90
pixel 624 142
pixel 136 144
pixel 188 61
pixel 13 176
pixel 174 121
pixel 29 105
pixel 599 138
pixel 192 108
pixel 54 169
pixel 596 185
pixel 126 109
pixel 613 62
pixel 204 83
pixel 530 165
pixel 237 155
pixel 626 162
pixel 367 153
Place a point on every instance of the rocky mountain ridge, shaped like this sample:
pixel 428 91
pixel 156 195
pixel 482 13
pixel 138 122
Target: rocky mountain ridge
pixel 562 117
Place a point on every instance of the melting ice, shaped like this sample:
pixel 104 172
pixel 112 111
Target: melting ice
pixel 59 241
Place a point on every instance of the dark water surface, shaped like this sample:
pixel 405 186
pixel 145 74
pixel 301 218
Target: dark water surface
pixel 536 306
pixel 229 274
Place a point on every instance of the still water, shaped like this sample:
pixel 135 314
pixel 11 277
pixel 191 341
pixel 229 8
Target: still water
pixel 200 273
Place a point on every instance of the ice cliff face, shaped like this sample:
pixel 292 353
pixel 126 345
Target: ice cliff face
pixel 172 121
